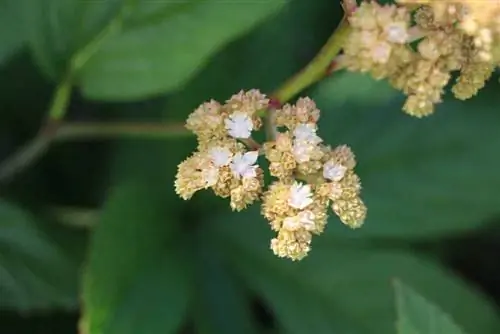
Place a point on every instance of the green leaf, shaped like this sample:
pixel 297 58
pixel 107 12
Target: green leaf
pixel 36 270
pixel 222 305
pixel 421 177
pixel 340 288
pixel 12 36
pixel 132 257
pixel 58 29
pixel 163 48
pixel 416 315
pixel 290 40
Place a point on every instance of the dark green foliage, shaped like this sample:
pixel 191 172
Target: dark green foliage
pixel 157 264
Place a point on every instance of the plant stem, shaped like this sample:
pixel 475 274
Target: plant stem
pixel 37 146
pixel 95 131
pixel 317 68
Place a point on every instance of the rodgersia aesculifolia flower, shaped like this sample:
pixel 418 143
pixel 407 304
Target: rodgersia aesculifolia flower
pixel 418 44
pixel 310 177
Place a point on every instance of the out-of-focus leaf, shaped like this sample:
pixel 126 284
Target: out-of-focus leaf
pixel 36 270
pixel 416 315
pixel 421 177
pixel 162 50
pixel 264 58
pixel 57 29
pixel 132 256
pixel 12 35
pixel 352 286
pixel 222 306
pixel 164 288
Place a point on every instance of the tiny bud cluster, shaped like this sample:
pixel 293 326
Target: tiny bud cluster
pixel 417 44
pixel 310 177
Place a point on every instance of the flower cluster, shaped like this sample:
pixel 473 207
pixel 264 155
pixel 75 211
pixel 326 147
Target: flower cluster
pixel 417 44
pixel 309 176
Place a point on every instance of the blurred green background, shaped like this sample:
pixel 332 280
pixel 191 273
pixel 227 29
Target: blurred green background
pixel 95 225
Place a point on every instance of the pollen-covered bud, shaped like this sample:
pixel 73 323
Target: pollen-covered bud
pixel 377 43
pixel 473 74
pixel 352 212
pixel 243 113
pixel 247 181
pixel 207 122
pixel 304 111
pixel 293 202
pixel 280 155
pixel 294 245
pixel 295 213
pixel 194 174
pixel 342 186
pixel 226 168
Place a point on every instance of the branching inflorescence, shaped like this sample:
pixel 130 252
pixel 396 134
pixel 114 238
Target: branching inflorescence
pixel 417 44
pixel 310 176
pixel 414 44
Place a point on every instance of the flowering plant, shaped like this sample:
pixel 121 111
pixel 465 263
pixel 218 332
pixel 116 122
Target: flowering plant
pixel 214 166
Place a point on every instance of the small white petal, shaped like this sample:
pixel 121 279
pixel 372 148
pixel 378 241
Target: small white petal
pixel 301 151
pixel 300 196
pixel 292 223
pixel 333 171
pixel 307 132
pixel 244 165
pixel 397 33
pixel 239 125
pixel 306 219
pixel 251 157
pixel 221 156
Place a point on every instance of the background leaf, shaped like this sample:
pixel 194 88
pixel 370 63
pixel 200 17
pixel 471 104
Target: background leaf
pixel 57 29
pixel 158 54
pixel 421 177
pixel 132 256
pixel 222 306
pixel 417 315
pixel 36 271
pixel 349 286
pixel 12 35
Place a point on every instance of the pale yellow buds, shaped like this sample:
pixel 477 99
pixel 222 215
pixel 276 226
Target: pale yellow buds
pixel 447 36
pixel 310 176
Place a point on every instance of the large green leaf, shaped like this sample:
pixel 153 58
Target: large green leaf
pixel 416 315
pixel 421 177
pixel 135 281
pixel 12 35
pixel 163 49
pixel 36 270
pixel 221 304
pixel 264 58
pixel 342 286
pixel 57 29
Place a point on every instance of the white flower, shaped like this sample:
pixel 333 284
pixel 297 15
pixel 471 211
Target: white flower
pixel 397 32
pixel 300 196
pixel 333 171
pixel 244 165
pixel 307 132
pixel 221 156
pixel 302 150
pixel 239 125
pixel 304 219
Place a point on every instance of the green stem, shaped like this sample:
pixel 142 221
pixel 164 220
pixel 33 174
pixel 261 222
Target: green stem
pixel 317 68
pixel 38 145
pixel 95 131
pixel 61 98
